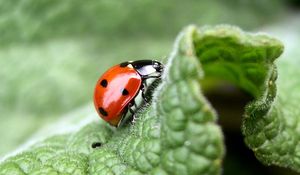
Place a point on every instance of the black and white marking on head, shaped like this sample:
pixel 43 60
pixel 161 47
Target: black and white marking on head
pixel 103 83
pixel 125 92
pixel 103 112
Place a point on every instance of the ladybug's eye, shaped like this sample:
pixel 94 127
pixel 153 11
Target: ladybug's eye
pixel 158 66
pixel 125 92
pixel 103 83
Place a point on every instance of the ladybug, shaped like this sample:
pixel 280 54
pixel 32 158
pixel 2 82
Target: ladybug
pixel 117 88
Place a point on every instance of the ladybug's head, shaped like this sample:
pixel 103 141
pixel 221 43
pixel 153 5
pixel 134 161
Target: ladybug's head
pixel 148 68
pixel 159 67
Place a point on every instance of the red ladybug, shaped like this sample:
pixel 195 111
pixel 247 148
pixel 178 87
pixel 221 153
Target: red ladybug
pixel 117 88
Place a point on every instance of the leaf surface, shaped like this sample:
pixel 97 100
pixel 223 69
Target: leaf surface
pixel 177 132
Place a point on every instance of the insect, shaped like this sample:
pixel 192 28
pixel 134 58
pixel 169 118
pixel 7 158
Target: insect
pixel 117 88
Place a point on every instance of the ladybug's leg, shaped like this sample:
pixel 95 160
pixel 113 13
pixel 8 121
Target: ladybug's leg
pixel 143 89
pixel 144 85
pixel 123 117
pixel 131 111
pixel 134 104
pixel 144 95
pixel 151 76
pixel 130 105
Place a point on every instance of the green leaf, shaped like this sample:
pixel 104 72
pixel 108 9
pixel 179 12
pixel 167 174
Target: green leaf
pixel 271 124
pixel 177 133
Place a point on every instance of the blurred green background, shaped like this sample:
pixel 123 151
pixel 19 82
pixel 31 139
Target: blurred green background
pixel 53 51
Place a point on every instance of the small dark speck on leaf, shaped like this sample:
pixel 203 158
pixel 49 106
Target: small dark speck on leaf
pixel 96 145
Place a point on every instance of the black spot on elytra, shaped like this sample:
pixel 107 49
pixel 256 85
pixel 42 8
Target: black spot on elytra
pixel 103 83
pixel 125 92
pixel 103 112
pixel 124 64
pixel 96 144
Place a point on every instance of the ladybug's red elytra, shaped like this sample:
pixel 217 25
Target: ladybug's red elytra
pixel 117 88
